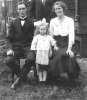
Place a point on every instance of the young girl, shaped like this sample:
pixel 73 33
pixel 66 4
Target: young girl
pixel 42 43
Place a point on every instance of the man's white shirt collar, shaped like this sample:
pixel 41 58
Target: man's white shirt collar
pixel 23 21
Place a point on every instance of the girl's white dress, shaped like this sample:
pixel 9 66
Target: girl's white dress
pixel 42 43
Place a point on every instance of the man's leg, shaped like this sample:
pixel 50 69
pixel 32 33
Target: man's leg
pixel 30 60
pixel 11 63
pixel 30 56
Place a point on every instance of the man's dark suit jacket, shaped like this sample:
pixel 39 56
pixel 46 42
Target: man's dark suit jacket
pixel 18 38
pixel 39 11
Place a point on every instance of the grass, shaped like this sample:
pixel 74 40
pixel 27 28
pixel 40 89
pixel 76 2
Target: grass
pixel 60 89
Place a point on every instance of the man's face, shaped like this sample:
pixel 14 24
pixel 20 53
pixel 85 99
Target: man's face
pixel 22 10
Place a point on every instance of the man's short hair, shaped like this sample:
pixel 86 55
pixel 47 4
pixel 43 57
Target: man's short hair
pixel 21 2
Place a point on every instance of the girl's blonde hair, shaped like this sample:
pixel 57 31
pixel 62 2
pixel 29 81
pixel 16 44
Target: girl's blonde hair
pixel 37 30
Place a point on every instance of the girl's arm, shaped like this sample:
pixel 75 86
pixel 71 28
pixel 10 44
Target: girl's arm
pixel 53 43
pixel 55 47
pixel 34 43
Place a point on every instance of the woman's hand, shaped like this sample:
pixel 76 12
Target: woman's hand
pixel 70 53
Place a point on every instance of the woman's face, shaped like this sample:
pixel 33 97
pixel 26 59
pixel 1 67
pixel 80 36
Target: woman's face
pixel 59 10
pixel 43 30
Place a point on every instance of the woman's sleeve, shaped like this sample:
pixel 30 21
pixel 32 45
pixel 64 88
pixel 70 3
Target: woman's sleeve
pixel 34 43
pixel 71 33
pixel 51 29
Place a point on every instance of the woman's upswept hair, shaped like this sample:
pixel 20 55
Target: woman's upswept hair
pixel 37 30
pixel 62 4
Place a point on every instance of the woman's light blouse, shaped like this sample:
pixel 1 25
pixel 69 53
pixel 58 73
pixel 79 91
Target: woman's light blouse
pixel 63 29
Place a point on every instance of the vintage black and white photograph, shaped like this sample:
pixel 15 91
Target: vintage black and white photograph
pixel 43 49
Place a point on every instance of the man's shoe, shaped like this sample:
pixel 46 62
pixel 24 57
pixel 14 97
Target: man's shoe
pixel 15 84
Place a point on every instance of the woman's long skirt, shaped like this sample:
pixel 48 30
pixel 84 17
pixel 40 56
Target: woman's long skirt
pixel 61 62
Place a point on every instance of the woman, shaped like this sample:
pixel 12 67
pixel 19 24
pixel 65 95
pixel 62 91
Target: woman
pixel 62 30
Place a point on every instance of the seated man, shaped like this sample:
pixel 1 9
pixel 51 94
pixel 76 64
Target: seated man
pixel 18 44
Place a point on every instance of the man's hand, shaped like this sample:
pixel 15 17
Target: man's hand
pixel 10 52
pixel 70 53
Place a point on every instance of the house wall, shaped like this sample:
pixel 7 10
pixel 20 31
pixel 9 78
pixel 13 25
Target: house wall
pixel 83 26
pixel 82 12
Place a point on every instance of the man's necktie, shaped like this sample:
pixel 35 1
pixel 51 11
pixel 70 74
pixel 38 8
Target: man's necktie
pixel 22 21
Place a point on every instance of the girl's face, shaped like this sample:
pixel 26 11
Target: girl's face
pixel 43 30
pixel 59 10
